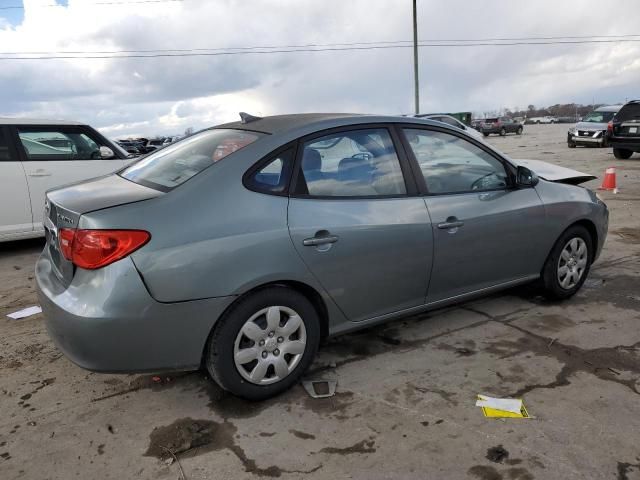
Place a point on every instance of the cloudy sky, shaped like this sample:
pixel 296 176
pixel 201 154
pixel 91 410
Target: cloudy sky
pixel 165 95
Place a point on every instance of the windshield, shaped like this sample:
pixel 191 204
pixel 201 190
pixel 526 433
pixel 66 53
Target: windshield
pixel 598 117
pixel 175 164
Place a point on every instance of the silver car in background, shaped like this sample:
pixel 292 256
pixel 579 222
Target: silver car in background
pixel 591 130
pixel 240 247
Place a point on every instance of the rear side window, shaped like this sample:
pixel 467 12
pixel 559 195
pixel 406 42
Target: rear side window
pixel 177 163
pixel 352 163
pixel 4 147
pixel 273 175
pixel 58 143
pixel 629 113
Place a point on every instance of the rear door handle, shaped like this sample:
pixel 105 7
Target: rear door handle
pixel 40 174
pixel 319 240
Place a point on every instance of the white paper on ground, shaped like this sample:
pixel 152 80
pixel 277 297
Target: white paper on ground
pixel 512 405
pixel 25 312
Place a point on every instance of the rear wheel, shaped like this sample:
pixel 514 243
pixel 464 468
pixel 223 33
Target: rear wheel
pixel 568 264
pixel 503 132
pixel 622 153
pixel 264 344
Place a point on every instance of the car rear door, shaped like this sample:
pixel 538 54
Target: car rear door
pixel 486 231
pixel 15 210
pixel 56 155
pixel 357 224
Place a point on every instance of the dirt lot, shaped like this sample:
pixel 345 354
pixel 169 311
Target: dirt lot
pixel 406 391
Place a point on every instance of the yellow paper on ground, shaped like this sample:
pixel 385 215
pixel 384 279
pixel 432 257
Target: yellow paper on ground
pixel 502 407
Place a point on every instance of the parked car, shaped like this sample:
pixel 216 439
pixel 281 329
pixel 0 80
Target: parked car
pixel 592 129
pixel 501 126
pixel 133 147
pixel 454 122
pixel 623 131
pixel 241 247
pixel 36 155
pixel 546 119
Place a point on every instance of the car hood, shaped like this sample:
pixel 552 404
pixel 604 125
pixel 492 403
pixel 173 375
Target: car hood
pixel 555 173
pixel 591 126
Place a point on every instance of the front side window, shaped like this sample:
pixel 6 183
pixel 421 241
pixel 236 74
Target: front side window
pixel 175 164
pixel 451 164
pixel 58 144
pixel 350 164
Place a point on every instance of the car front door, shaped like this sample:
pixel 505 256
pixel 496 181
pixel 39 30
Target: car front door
pixel 357 224
pixel 57 155
pixel 15 210
pixel 486 231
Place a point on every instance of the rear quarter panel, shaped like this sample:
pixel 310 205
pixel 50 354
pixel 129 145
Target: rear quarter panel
pixel 212 237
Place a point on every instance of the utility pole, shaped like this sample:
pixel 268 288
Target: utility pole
pixel 416 85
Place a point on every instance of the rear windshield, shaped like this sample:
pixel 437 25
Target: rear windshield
pixel 177 163
pixel 629 113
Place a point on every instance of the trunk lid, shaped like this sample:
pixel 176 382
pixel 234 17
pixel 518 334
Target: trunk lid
pixel 65 205
pixel 555 173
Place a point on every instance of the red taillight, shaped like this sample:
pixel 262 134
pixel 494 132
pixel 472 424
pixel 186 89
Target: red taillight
pixel 610 127
pixel 93 249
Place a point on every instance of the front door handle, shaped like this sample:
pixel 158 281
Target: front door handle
pixel 40 174
pixel 321 238
pixel 451 222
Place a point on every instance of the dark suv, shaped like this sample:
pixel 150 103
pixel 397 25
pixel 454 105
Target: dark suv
pixel 623 132
pixel 500 125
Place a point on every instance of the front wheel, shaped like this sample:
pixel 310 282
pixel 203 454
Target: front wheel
pixel 519 131
pixel 568 264
pixel 264 343
pixel 503 132
pixel 621 153
pixel 485 134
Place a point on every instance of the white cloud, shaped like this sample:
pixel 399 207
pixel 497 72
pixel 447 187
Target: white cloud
pixel 167 95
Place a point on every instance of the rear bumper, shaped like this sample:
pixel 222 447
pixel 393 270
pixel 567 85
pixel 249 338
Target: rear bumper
pixel 107 321
pixel 625 143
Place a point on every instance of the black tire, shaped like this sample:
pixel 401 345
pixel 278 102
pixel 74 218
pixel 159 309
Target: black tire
pixel 485 134
pixel 622 153
pixel 552 288
pixel 219 354
pixel 519 131
pixel 571 144
pixel 503 132
pixel 604 143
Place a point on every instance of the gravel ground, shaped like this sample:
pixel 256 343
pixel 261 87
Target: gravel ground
pixel 406 390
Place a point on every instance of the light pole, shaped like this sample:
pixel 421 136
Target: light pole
pixel 415 59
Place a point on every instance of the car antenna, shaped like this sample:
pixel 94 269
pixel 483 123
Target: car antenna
pixel 246 117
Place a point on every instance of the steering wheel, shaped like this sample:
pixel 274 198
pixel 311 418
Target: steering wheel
pixel 477 184
pixel 363 155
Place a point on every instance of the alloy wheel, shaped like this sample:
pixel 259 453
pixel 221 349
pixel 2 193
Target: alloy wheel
pixel 572 263
pixel 270 345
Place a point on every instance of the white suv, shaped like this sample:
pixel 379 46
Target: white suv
pixel 36 155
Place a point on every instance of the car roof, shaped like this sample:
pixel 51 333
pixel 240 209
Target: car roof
pixel 609 108
pixel 35 121
pixel 278 124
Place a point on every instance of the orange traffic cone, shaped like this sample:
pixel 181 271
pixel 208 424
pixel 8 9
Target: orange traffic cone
pixel 609 181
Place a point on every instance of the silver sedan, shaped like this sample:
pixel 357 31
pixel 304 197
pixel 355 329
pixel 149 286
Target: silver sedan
pixel 239 248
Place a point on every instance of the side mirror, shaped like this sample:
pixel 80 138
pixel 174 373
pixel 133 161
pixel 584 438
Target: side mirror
pixel 525 177
pixel 106 153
